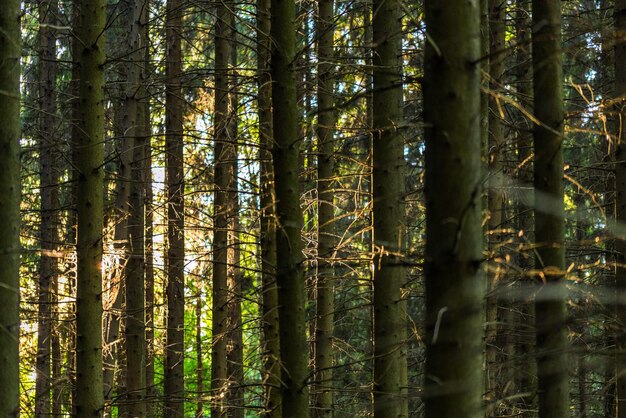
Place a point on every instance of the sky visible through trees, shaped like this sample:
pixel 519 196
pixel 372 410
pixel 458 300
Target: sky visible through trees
pixel 325 209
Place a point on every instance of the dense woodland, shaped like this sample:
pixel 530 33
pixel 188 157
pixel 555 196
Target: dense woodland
pixel 313 208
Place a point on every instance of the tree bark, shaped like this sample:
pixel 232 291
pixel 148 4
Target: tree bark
pixel 10 50
pixel 325 301
pixel 88 161
pixel 527 367
pixel 550 308
pixel 135 134
pixel 199 354
pixel 174 370
pixel 49 192
pixel 620 206
pixel 234 352
pixel 269 300
pixel 496 198
pixel 454 279
pixel 289 218
pixel 223 178
pixel 149 212
pixel 388 191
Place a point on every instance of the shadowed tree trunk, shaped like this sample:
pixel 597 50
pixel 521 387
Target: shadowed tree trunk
pixel 49 191
pixel 223 178
pixel 496 197
pixel 269 299
pixel 174 370
pixel 527 367
pixel 454 240
pixel 620 206
pixel 88 163
pixel 135 134
pixel 199 354
pixel 289 219
pixel 234 351
pixel 10 49
pixel 388 191
pixel 146 136
pixel 550 309
pixel 325 300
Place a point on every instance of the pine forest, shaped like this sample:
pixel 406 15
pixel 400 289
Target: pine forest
pixel 312 208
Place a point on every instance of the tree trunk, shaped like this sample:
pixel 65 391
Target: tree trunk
pixel 550 308
pixel 10 50
pixel 135 134
pixel 148 215
pixel 269 301
pixel 527 366
pixel 388 191
pixel 199 354
pixel 325 301
pixel 49 157
pixel 115 279
pixel 289 218
pixel 174 362
pixel 620 205
pixel 496 198
pixel 223 178
pixel 454 278
pixel 234 351
pixel 89 158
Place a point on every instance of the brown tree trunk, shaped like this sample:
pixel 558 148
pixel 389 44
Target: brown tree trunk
pixel 269 299
pixel 49 158
pixel 174 370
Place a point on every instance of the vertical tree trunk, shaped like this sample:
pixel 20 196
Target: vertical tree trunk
pixel 174 371
pixel 390 321
pixel 73 214
pixel 223 177
pixel 199 355
pixel 57 373
pixel 269 302
pixel 49 192
pixel 10 50
pixel 89 158
pixel 135 134
pixel 454 279
pixel 115 279
pixel 620 205
pixel 324 325
pixel 234 351
pixel 527 367
pixel 146 124
pixel 289 218
pixel 550 308
pixel 495 195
